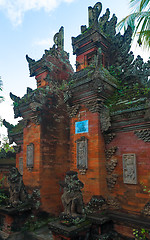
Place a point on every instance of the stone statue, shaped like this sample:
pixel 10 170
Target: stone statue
pixel 72 199
pixel 17 191
pixel 59 38
pixel 94 13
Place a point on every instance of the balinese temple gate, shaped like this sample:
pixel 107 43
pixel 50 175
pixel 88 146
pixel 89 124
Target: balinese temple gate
pixel 94 123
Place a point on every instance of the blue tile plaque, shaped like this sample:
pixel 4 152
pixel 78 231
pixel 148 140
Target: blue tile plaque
pixel 81 127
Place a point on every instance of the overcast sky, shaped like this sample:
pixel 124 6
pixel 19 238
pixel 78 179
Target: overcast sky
pixel 28 27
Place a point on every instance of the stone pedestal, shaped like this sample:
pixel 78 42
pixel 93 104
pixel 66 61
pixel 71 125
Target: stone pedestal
pixel 12 220
pixel 74 232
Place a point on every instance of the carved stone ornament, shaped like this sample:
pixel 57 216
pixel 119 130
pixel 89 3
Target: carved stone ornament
pixel 17 191
pixel 21 165
pixel 129 168
pixel 59 38
pixel 73 110
pixel 82 171
pixel 82 154
pixel 143 134
pixel 146 210
pixel 72 199
pixel 110 152
pixel 97 83
pixel 110 166
pixel 17 148
pixel 94 13
pixel 30 155
pixel 96 204
pixel 111 181
pixel 109 137
pixel 105 119
pixel 94 105
pixel 113 203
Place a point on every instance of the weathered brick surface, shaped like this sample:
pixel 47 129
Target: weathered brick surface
pixel 95 178
pixel 131 196
pixel 51 157
pixel 124 230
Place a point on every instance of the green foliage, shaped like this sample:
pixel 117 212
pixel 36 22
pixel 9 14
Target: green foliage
pixel 5 146
pixel 1 97
pixel 35 222
pixel 141 234
pixel 128 94
pixel 139 21
pixel 145 189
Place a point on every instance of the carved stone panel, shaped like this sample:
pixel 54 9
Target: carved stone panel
pixel 82 154
pixel 30 155
pixel 21 165
pixel 129 168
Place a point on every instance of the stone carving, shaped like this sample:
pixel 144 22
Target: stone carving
pixel 143 134
pixel 113 203
pixel 30 155
pixel 97 77
pixel 110 152
pixel 127 115
pixel 82 154
pixel 30 60
pixel 31 63
pixel 129 169
pixel 17 191
pixel 16 102
pixel 110 166
pixel 94 13
pixel 73 110
pixel 109 137
pixel 111 181
pixel 83 28
pixel 82 171
pixel 17 148
pixel 146 210
pixel 105 119
pixel 72 199
pixel 104 19
pixel 94 105
pixel 59 38
pixel 96 204
pixel 21 165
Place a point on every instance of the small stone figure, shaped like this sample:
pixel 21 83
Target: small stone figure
pixel 17 191
pixel 72 199
pixel 59 38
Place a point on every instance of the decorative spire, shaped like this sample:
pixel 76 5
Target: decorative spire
pixel 94 13
pixel 8 125
pixel 14 97
pixel 59 38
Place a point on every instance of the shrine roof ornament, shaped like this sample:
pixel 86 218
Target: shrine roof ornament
pixel 94 13
pixel 56 51
pixel 59 38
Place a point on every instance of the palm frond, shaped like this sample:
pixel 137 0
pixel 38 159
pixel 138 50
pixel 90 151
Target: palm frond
pixel 128 20
pixel 139 21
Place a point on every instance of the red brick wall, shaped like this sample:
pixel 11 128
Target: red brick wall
pixel 51 157
pixel 131 196
pixel 32 134
pixel 55 158
pixel 124 230
pixel 95 178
